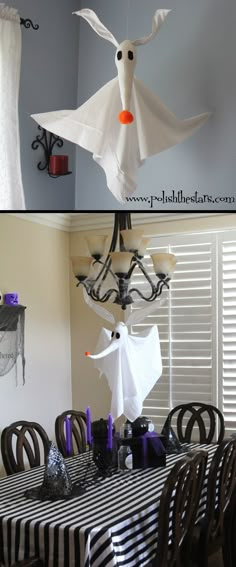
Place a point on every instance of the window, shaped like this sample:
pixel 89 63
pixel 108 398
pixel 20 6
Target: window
pixel 197 325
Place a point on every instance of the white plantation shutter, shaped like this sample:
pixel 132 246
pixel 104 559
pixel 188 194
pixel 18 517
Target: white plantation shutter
pixel 187 324
pixel 227 327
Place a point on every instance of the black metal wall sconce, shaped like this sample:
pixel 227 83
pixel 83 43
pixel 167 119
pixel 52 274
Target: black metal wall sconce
pixel 56 165
pixel 27 23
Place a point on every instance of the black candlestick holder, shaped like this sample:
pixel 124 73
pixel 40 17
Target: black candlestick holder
pixel 104 458
pixel 47 141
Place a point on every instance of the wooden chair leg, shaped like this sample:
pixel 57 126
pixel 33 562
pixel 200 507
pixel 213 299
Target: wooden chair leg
pixel 227 555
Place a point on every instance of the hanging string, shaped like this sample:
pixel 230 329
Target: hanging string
pixel 127 19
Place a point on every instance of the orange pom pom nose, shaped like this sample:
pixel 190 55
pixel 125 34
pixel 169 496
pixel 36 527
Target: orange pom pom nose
pixel 126 117
pixel 87 353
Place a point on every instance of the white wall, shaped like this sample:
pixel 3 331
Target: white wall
pixel 48 82
pixel 34 261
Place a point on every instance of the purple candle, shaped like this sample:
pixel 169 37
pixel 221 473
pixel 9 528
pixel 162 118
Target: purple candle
pixel 109 443
pixel 88 426
pixel 68 435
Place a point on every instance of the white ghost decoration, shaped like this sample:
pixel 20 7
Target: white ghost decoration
pixel 123 123
pixel 132 364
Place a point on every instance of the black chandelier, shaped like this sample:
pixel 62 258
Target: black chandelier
pixel 127 249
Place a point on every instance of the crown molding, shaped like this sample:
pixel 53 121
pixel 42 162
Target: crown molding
pixel 60 221
pixel 75 222
pixel 93 221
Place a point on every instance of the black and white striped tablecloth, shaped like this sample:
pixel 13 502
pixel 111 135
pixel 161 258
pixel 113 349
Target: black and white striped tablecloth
pixel 114 523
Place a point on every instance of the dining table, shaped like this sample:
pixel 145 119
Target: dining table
pixel 113 522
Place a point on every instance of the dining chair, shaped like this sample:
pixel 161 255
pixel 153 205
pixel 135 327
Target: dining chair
pixel 24 444
pixel 214 531
pixel 187 419
pixel 178 509
pixel 78 429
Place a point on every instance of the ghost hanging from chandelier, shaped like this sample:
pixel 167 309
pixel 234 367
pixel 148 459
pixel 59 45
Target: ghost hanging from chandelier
pixel 124 122
pixel 132 364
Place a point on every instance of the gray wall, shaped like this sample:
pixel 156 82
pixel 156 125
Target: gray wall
pixel 190 65
pixel 48 82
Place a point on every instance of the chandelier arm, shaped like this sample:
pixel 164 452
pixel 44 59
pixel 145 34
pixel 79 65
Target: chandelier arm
pixel 150 298
pixel 105 297
pixel 107 262
pixel 146 275
pixel 93 294
pixel 106 268
pixel 134 263
pixel 115 233
pixel 124 222
pixel 156 291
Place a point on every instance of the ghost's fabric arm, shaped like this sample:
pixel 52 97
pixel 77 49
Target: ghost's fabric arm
pixel 101 311
pixel 157 20
pixel 96 24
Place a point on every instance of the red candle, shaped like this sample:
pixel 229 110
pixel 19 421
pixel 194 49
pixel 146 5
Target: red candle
pixel 58 165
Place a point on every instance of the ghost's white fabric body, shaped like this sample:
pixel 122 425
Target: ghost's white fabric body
pixel 120 149
pixel 132 367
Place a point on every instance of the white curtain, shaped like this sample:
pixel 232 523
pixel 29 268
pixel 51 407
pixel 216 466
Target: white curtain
pixel 11 187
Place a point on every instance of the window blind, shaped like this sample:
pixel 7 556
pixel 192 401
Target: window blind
pixel 187 325
pixel 227 327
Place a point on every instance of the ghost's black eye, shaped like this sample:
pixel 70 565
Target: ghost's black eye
pixel 130 55
pixel 112 334
pixel 119 55
pixel 117 335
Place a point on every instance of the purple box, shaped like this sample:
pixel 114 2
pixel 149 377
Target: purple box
pixel 11 298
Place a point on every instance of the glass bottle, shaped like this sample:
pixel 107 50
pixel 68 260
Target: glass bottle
pixel 125 455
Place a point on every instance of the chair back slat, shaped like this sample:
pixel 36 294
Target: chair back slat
pixel 78 428
pixel 221 485
pixel 23 444
pixel 178 509
pixel 196 416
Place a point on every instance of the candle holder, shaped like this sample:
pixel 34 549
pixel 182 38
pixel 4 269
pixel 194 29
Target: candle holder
pixel 104 458
pixel 47 141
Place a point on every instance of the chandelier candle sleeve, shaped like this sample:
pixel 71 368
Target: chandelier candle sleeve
pixel 109 444
pixel 88 426
pixel 68 435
